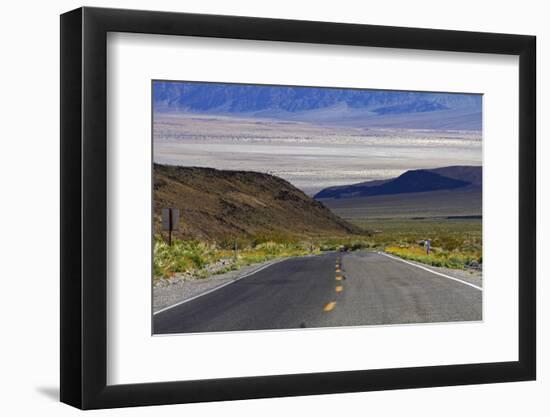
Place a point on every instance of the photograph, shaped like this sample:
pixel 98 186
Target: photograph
pixel 297 207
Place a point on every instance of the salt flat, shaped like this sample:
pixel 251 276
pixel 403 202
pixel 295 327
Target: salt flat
pixel 310 156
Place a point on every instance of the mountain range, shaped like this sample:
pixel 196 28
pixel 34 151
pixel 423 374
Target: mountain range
pixel 350 107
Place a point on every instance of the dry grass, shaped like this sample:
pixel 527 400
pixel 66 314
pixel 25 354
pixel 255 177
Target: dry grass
pixel 454 243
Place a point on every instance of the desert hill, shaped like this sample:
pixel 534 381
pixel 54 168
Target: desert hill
pixel 414 181
pixel 218 205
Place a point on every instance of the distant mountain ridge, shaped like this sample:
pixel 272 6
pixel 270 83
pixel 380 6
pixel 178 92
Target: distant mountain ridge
pixel 220 204
pixel 356 107
pixel 413 181
pixel 239 98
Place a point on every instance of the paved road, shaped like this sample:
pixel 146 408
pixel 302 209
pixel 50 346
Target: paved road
pixel 358 288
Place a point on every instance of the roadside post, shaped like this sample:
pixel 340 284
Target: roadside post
pixel 428 243
pixel 170 221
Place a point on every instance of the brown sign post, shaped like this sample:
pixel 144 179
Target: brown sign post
pixel 170 221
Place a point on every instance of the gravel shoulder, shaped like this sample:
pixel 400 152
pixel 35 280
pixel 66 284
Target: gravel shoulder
pixel 177 291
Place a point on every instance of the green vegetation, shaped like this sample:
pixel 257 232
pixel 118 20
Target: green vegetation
pixel 200 259
pixel 455 243
pixel 456 260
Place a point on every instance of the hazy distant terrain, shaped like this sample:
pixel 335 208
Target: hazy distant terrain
pixel 310 156
pixel 457 203
pixel 313 137
pixel 326 106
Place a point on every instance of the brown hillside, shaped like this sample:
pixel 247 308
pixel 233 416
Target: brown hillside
pixel 218 205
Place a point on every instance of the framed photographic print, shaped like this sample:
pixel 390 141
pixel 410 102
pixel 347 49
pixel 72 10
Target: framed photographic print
pixel 258 207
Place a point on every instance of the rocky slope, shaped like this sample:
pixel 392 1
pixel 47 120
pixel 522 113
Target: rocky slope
pixel 218 205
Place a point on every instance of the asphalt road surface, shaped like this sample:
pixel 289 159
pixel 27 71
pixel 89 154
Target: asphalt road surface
pixel 335 289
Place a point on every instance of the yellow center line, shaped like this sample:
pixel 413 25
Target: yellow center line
pixel 338 270
pixel 339 288
pixel 330 306
pixel 339 277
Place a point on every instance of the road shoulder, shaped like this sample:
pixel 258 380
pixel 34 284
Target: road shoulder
pixel 473 277
pixel 182 291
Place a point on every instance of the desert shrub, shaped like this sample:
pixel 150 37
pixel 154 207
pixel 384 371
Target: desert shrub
pixel 194 257
pixel 182 256
pixel 436 257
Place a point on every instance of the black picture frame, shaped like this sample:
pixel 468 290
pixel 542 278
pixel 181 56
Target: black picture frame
pixel 84 207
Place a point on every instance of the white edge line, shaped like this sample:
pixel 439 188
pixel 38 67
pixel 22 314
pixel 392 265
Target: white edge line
pixel 225 284
pixel 432 271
